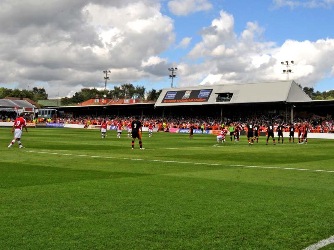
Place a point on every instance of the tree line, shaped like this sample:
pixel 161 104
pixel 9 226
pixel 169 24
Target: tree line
pixel 35 94
pixel 125 91
pixel 326 95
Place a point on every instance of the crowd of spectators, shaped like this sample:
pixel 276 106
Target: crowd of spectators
pixel 316 123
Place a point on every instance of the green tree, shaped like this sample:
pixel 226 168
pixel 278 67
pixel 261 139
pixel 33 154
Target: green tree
pixel 66 101
pixel 16 93
pixel 5 92
pixel 153 95
pixel 139 92
pixel 128 90
pixel 39 94
pixel 116 93
pixel 309 92
pixel 87 93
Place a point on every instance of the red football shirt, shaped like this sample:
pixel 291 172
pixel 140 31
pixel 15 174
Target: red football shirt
pixel 19 123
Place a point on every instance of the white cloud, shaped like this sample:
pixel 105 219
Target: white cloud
pixel 66 44
pixel 220 32
pixel 226 57
pixel 304 4
pixel 185 7
pixel 184 43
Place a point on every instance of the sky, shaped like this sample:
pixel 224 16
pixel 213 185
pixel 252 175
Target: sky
pixel 65 45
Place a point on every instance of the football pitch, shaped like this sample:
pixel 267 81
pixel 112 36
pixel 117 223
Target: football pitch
pixel 71 189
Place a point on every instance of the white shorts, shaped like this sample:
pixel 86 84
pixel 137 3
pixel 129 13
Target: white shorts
pixel 103 130
pixel 17 133
pixel 220 138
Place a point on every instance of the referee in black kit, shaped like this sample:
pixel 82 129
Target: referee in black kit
pixel 136 132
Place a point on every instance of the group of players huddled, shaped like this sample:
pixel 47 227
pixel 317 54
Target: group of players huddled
pixel 253 132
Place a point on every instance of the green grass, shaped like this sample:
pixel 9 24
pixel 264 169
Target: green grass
pixel 70 189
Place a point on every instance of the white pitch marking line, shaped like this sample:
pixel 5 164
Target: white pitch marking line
pixel 184 162
pixel 298 169
pixel 321 244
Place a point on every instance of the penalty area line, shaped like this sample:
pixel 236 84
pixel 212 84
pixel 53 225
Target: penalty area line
pixel 183 162
pixel 321 244
pixel 289 169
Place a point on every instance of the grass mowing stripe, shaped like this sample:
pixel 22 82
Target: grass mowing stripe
pixel 24 175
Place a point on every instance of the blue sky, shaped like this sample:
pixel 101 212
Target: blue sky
pixel 64 45
pixel 279 22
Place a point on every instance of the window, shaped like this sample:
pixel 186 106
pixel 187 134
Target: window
pixel 224 97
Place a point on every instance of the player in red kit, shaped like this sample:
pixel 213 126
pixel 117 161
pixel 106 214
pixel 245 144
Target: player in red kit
pixel 104 127
pixel 119 129
pixel 129 129
pixel 221 137
pixel 150 130
pixel 17 128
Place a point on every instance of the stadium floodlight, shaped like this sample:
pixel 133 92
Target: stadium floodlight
pixel 287 71
pixel 106 78
pixel 172 75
